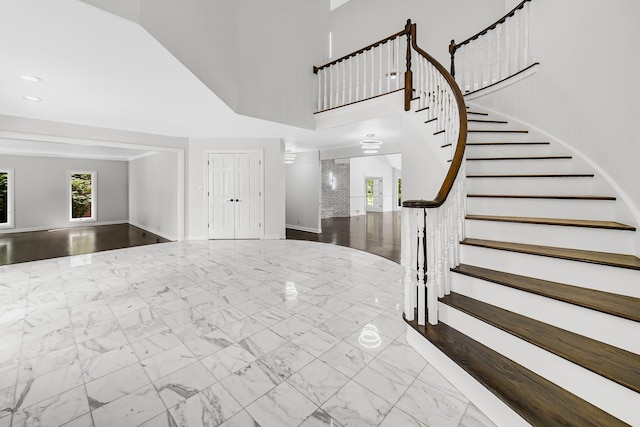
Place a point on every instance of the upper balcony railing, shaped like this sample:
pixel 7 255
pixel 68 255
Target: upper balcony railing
pixel 432 228
pixel 372 71
pixel 500 51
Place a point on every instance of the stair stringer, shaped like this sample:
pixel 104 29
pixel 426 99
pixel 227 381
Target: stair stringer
pixel 495 409
pixel 625 210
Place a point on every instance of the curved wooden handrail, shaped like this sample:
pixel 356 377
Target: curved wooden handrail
pixel 359 51
pixel 458 156
pixel 453 47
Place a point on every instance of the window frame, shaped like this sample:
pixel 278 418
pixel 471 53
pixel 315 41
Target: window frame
pixel 94 195
pixel 10 199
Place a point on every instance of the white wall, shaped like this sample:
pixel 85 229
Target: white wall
pixel 359 23
pixel 274 182
pixel 256 56
pixel 584 93
pixel 42 191
pixel 373 166
pixel 154 194
pixel 303 192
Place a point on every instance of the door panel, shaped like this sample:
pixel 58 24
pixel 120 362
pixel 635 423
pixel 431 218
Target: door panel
pixel 373 187
pixel 247 220
pixel 221 196
pixel 235 199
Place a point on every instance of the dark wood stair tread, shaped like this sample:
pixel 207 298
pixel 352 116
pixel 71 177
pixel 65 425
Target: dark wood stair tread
pixel 613 363
pixel 521 158
pixel 592 257
pixel 510 143
pixel 609 225
pixel 539 401
pixel 616 305
pixel 487 121
pixel 477 113
pixel 538 175
pixel 422 109
pixel 541 196
pixel 497 130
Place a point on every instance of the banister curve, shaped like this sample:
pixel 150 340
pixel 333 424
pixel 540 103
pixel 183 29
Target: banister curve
pixel 458 156
pixel 509 14
pixel 359 51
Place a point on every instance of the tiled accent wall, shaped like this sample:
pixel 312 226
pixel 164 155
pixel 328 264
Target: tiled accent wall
pixel 335 189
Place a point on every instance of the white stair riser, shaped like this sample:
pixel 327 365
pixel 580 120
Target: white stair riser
pixel 531 186
pixel 488 167
pixel 603 327
pixel 491 126
pixel 508 150
pixel 543 208
pixel 592 239
pixel 608 395
pixel 499 136
pixel 593 276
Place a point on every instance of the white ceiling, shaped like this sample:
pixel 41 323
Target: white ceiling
pixel 101 70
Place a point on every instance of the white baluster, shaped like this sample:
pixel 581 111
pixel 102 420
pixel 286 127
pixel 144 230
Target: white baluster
pixel 350 78
pixel 364 75
pixel 432 294
pixel 381 74
pixel 499 52
pixel 517 42
pixel 389 65
pixel 372 73
pixel 507 47
pixel 357 58
pixel 407 262
pixel 490 58
pixel 421 266
pixel 397 58
pixel 344 82
pixel 525 51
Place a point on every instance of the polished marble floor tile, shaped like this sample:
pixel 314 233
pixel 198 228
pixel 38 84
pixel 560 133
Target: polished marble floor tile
pixel 230 333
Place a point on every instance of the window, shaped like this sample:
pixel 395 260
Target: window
pixel 83 196
pixel 6 198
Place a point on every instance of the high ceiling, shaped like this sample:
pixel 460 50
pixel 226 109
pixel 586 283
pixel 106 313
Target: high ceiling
pixel 101 70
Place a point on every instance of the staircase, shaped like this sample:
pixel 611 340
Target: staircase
pixel 544 309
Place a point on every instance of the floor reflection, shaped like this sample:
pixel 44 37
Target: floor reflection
pixel 376 232
pixel 37 245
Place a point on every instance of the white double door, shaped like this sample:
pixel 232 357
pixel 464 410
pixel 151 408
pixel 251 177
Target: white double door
pixel 235 195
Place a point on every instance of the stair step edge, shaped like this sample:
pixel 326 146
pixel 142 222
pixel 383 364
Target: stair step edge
pixel 609 259
pixel 606 225
pixel 622 306
pixel 622 367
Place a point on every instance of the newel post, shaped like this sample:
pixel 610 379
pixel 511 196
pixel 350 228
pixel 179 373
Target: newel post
pixel 408 75
pixel 452 52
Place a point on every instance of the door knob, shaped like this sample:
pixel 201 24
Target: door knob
pixel 237 200
pixel 231 200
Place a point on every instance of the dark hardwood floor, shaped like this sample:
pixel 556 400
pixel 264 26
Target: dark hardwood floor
pixel 376 232
pixel 37 245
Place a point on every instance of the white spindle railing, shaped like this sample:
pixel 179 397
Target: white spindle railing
pixel 433 229
pixel 496 53
pixel 428 261
pixel 367 73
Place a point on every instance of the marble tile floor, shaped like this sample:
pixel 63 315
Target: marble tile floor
pixel 229 333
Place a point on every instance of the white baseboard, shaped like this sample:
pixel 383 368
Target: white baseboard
pixel 300 228
pixel 272 237
pixel 70 225
pixel 150 230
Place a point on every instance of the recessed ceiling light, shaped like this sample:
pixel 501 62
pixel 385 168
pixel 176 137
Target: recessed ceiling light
pixel 370 151
pixel 30 78
pixel 32 98
pixel 371 135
